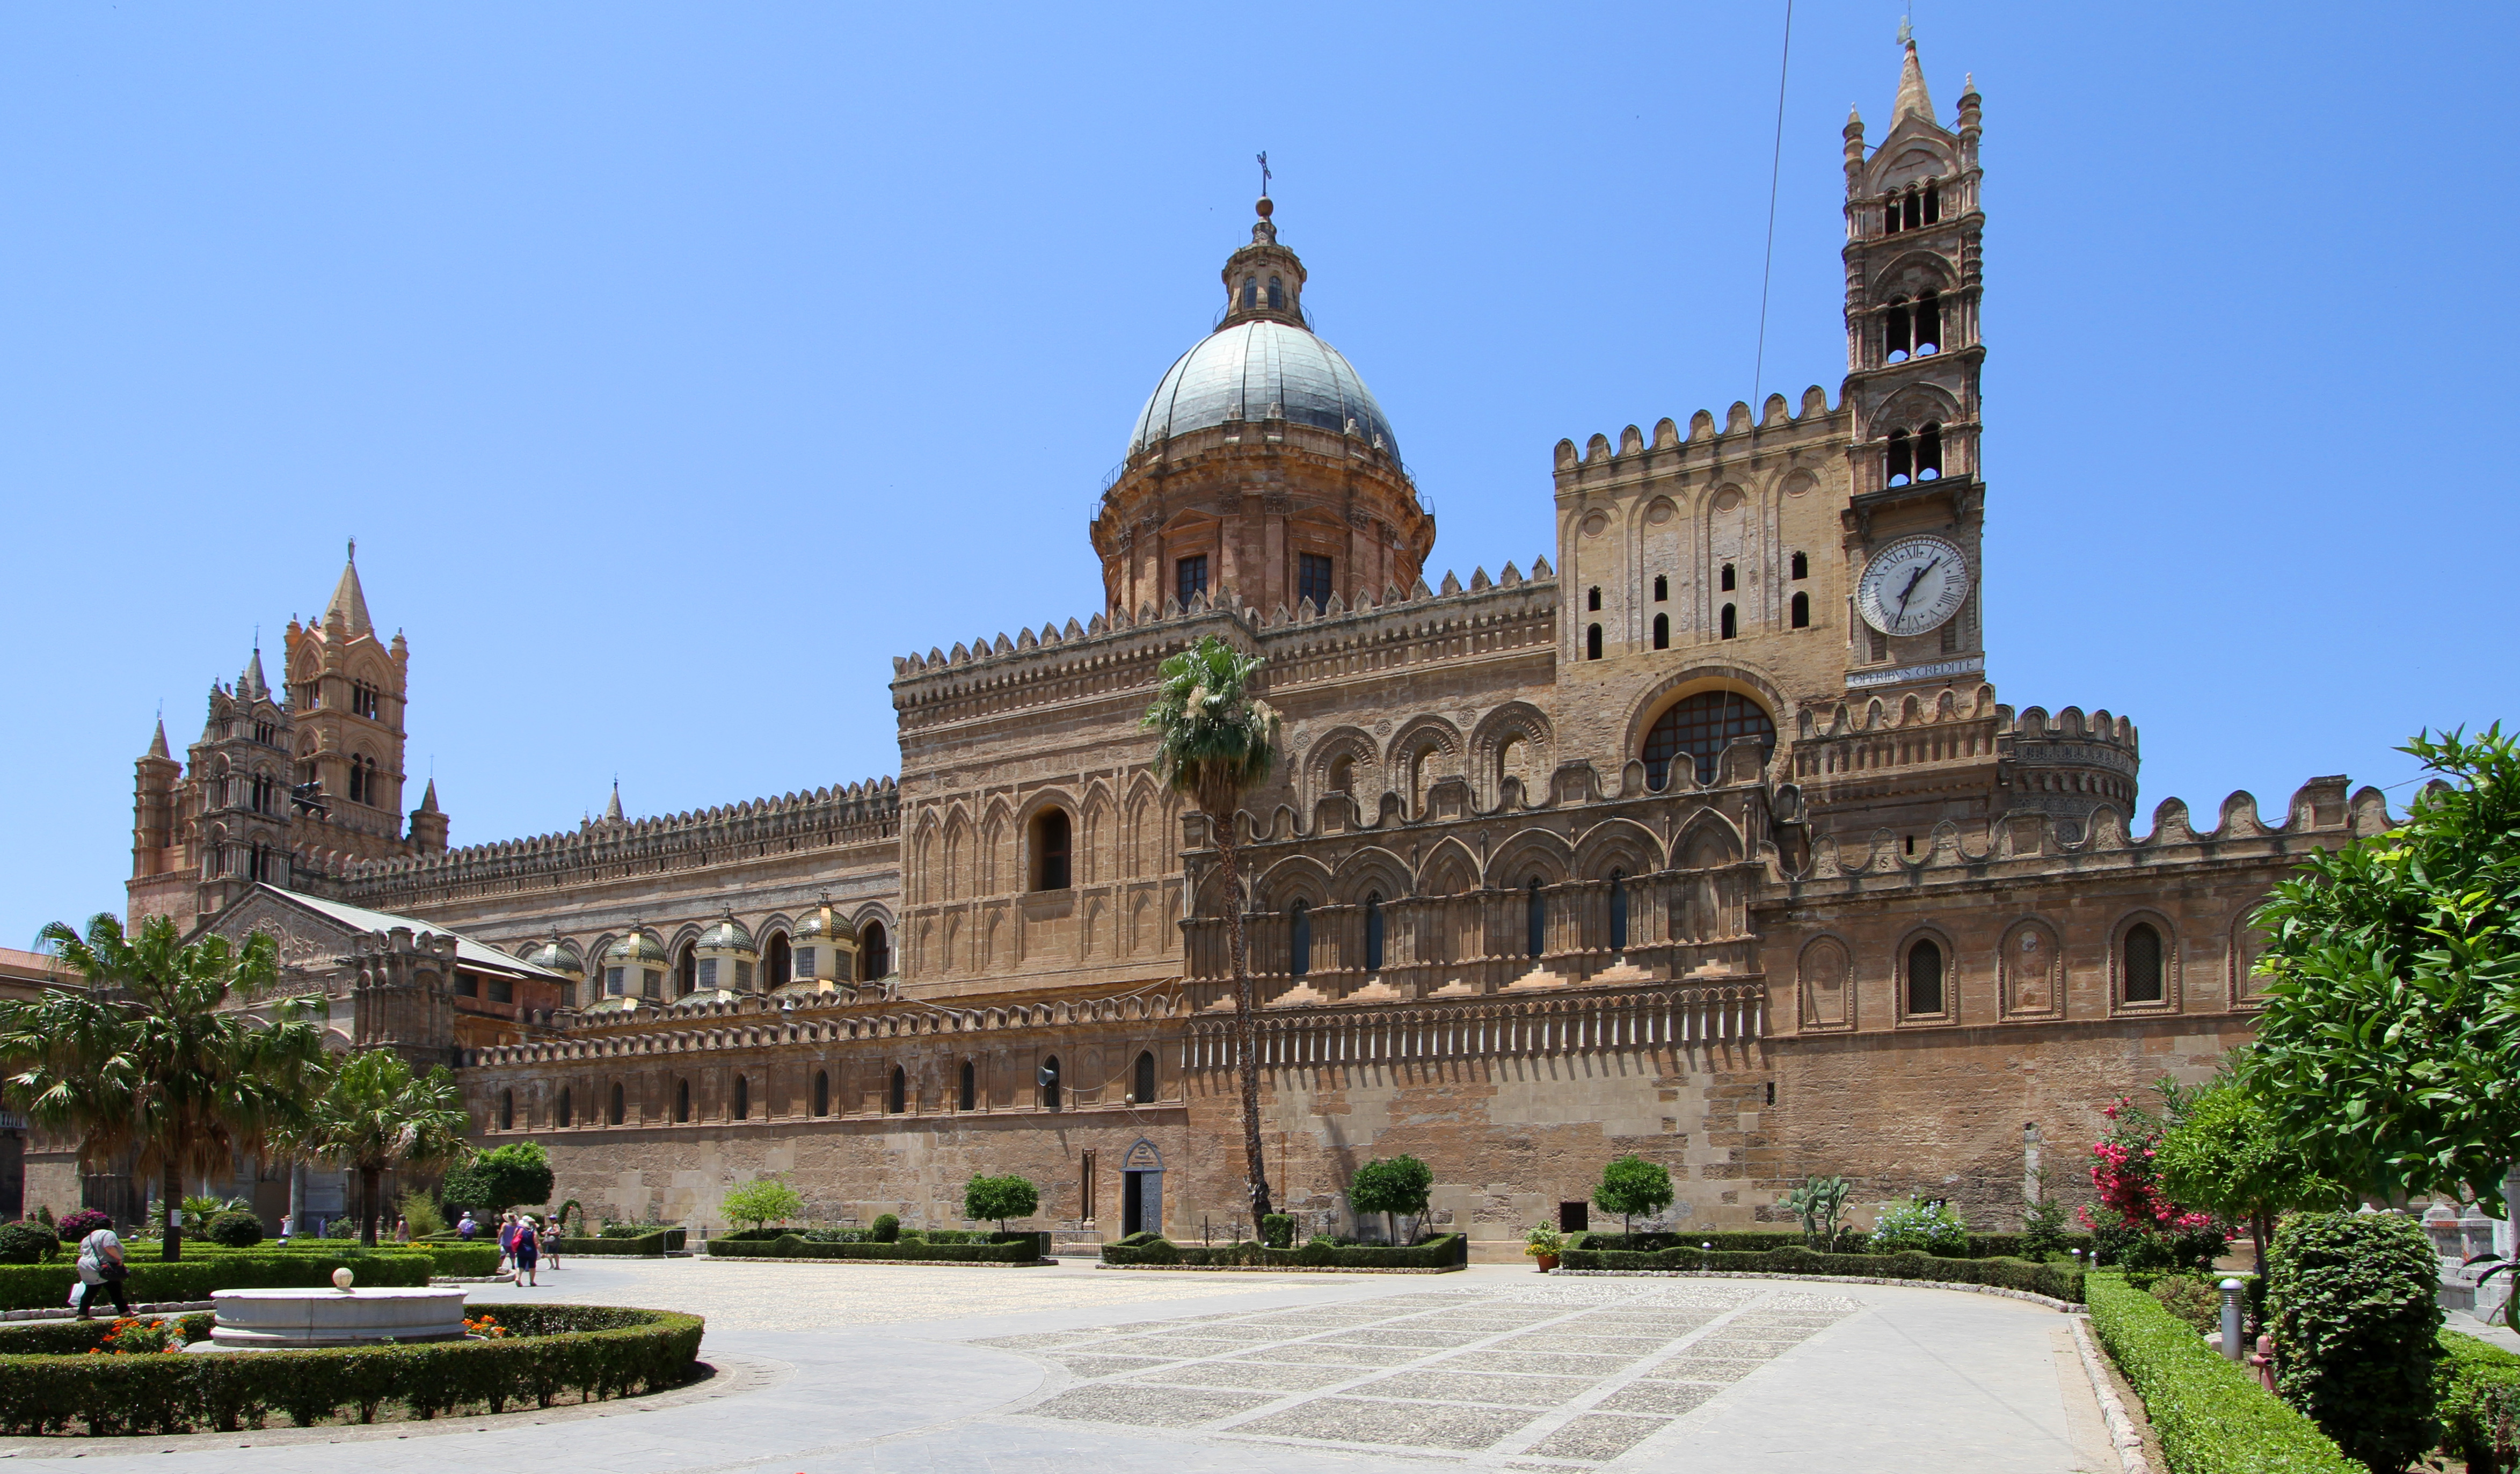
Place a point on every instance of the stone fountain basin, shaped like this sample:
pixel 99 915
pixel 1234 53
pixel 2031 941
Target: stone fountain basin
pixel 335 1317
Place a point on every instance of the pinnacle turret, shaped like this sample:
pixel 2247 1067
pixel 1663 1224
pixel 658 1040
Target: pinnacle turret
pixel 1912 97
pixel 157 743
pixel 349 601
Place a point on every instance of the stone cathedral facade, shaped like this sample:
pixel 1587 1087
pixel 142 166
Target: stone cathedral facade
pixel 1702 836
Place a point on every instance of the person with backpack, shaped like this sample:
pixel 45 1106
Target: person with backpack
pixel 100 1262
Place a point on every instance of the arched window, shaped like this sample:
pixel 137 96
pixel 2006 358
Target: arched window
pixel 1900 462
pixel 1251 293
pixel 1701 726
pixel 682 1100
pixel 1049 842
pixel 1049 1078
pixel 1911 210
pixel 822 1092
pixel 1593 597
pixel 875 955
pixel 687 972
pixel 1929 452
pixel 967 1093
pixel 1731 623
pixel 1802 565
pixel 1618 910
pixel 897 1098
pixel 1933 201
pixel 1662 631
pixel 1535 920
pixel 507 1110
pixel 1924 978
pixel 1802 611
pixel 1276 295
pixel 1662 588
pixel 1374 931
pixel 1929 323
pixel 1342 774
pixel 2142 965
pixel 1727 581
pixel 1299 938
pixel 742 1098
pixel 1144 1086
pixel 560 1113
pixel 1895 341
pixel 777 960
pixel 1592 643
pixel 620 1107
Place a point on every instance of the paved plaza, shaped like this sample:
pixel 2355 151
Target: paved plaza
pixel 832 1367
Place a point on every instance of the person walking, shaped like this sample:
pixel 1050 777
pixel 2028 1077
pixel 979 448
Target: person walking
pixel 100 1262
pixel 528 1249
pixel 551 1242
pixel 465 1229
pixel 508 1242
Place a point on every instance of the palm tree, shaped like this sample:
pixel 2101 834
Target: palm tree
pixel 1215 743
pixel 374 1116
pixel 157 1055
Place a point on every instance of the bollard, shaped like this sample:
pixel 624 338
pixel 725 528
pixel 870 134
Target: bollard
pixel 2231 1347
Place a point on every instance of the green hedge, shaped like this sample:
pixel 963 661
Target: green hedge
pixel 646 1246
pixel 1763 1240
pixel 2212 1415
pixel 2059 1281
pixel 2476 1393
pixel 596 1352
pixel 24 1287
pixel 1014 1249
pixel 1452 1251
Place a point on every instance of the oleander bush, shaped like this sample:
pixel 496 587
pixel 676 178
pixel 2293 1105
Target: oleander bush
pixel 1451 1251
pixel 25 1287
pixel 2358 1330
pixel 2212 1415
pixel 52 1379
pixel 2057 1281
pixel 1000 1249
pixel 74 1226
pixel 2476 1389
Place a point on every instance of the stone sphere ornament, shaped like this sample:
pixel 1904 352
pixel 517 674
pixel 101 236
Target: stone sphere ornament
pixel 342 1277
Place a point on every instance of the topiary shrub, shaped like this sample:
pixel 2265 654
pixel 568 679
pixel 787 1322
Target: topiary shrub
pixel 1159 1251
pixel 1919 1227
pixel 74 1226
pixel 236 1228
pixel 27 1243
pixel 1278 1230
pixel 2357 1328
pixel 885 1229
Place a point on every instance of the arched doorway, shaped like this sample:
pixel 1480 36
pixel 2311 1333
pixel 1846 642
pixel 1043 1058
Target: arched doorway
pixel 1142 1190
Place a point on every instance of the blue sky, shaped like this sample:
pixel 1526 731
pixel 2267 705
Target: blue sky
pixel 675 367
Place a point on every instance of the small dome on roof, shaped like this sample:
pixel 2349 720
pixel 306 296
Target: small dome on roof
pixel 553 957
pixel 726 934
pixel 637 949
pixel 611 1005
pixel 810 928
pixel 707 996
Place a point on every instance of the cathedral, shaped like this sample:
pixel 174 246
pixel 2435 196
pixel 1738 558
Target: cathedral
pixel 1701 837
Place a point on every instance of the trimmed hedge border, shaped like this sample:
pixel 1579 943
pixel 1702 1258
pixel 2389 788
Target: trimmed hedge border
pixel 597 1351
pixel 1436 1256
pixel 1017 1249
pixel 1765 1241
pixel 2069 1306
pixel 47 1286
pixel 2054 1281
pixel 646 1246
pixel 2476 1382
pixel 2211 1414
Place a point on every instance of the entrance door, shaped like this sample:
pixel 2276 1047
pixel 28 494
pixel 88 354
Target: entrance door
pixel 1131 1202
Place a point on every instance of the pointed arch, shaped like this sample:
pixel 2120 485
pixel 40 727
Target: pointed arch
pixel 1622 844
pixel 1450 869
pixel 1372 869
pixel 1528 855
pixel 1298 877
pixel 1707 841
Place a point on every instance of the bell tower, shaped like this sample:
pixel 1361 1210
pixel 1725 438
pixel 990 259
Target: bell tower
pixel 347 692
pixel 1914 353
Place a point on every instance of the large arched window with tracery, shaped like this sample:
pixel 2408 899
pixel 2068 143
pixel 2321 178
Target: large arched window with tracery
pixel 1701 726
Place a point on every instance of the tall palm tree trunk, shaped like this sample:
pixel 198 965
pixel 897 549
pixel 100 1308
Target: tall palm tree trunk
pixel 1246 1056
pixel 369 1178
pixel 170 1198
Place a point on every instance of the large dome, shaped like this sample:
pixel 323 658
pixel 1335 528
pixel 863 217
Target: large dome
pixel 1261 370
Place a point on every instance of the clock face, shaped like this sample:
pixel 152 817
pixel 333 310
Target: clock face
pixel 1913 585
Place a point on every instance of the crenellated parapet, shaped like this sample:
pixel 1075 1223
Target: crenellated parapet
pixel 824 818
pixel 1778 426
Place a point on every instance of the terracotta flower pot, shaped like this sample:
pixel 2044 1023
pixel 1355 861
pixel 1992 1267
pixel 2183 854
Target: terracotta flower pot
pixel 1548 1262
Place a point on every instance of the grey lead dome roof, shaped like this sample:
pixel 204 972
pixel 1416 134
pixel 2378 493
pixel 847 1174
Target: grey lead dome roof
pixel 1261 370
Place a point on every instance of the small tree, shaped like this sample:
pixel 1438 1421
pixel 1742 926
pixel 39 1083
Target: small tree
pixel 1392 1186
pixel 2358 1331
pixel 1633 1185
pixel 762 1201
pixel 999 1198
pixel 2223 1155
pixel 500 1178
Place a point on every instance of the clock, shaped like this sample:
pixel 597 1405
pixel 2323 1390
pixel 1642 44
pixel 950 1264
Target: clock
pixel 1913 585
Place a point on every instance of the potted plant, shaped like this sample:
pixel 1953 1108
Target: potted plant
pixel 1544 1244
